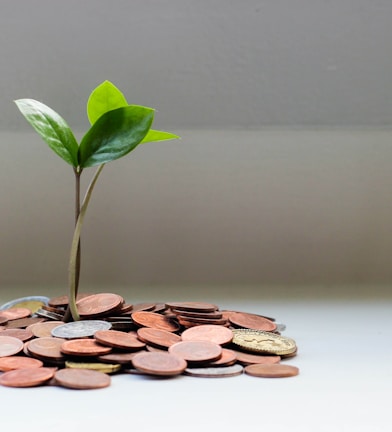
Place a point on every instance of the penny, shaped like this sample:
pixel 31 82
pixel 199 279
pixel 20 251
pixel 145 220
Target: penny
pixel 119 339
pixel 159 363
pixel 79 329
pixel 120 358
pixel 28 377
pixel 190 314
pixel 23 322
pixel 82 379
pixel 83 347
pixel 22 334
pixel 18 362
pixel 154 320
pixel 101 367
pixel 190 322
pixel 209 332
pixel 251 321
pixel 215 372
pixel 9 345
pixel 62 301
pixel 193 306
pixel 227 358
pixel 144 307
pixel 98 304
pixel 196 351
pixel 46 348
pixel 263 342
pixel 247 359
pixel 3 320
pixel 44 329
pixel 271 370
pixel 15 313
pixel 156 337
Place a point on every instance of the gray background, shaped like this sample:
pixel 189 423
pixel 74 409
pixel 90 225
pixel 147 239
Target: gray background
pixel 283 172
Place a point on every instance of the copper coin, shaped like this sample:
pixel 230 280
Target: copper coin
pixel 213 333
pixel 10 345
pixel 15 313
pixel 271 370
pixel 197 351
pixel 23 322
pixel 46 348
pixel 251 321
pixel 159 363
pixel 44 329
pixel 18 362
pixel 193 306
pixel 84 347
pixel 28 377
pixel 62 301
pixel 119 339
pixel 215 372
pixel 147 307
pixel 154 320
pixel 207 315
pixel 82 379
pixel 248 359
pixel 98 304
pixel 189 322
pixel 156 337
pixel 228 358
pixel 3 320
pixel 22 334
pixel 120 358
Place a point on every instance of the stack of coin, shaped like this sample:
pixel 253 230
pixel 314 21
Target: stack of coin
pixel 167 339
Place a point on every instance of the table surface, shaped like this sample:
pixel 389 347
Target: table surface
pixel 345 382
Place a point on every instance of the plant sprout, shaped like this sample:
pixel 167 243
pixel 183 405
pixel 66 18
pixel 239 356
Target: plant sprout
pixel 116 129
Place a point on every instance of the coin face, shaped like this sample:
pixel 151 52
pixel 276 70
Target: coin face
pixel 18 362
pixel 84 347
pixel 197 351
pixel 251 321
pixel 15 313
pixel 159 363
pixel 98 304
pixel 263 342
pixel 29 377
pixel 271 370
pixel 208 332
pixel 31 302
pixel 22 334
pixel 154 320
pixel 9 345
pixel 82 379
pixel 193 306
pixel 215 372
pixel 248 359
pixel 156 337
pixel 119 339
pixel 46 348
pixel 44 329
pixel 79 329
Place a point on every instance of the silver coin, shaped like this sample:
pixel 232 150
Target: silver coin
pixel 215 372
pixel 280 327
pixel 12 303
pixel 79 329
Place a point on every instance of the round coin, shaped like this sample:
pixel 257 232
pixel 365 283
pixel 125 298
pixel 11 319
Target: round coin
pixel 28 377
pixel 98 304
pixel 271 370
pixel 154 320
pixel 227 358
pixel 120 358
pixel 31 302
pixel 193 306
pixel 119 339
pixel 208 332
pixel 10 345
pixel 81 379
pixel 248 359
pixel 196 351
pixel 101 367
pixel 84 347
pixel 44 329
pixel 159 363
pixel 18 362
pixel 80 329
pixel 22 334
pixel 158 338
pixel 263 342
pixel 15 313
pixel 46 348
pixel 215 372
pixel 251 321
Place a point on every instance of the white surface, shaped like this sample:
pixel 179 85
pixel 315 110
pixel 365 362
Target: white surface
pixel 345 381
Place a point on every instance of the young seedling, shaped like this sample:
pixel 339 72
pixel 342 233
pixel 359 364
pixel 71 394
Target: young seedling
pixel 116 129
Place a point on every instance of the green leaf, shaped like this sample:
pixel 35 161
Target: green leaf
pixel 52 128
pixel 154 135
pixel 114 135
pixel 104 98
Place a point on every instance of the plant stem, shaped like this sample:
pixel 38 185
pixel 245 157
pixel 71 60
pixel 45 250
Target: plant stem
pixel 74 260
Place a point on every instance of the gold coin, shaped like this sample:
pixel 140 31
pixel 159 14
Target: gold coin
pixel 263 342
pixel 33 305
pixel 101 367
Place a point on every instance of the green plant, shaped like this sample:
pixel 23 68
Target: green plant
pixel 116 129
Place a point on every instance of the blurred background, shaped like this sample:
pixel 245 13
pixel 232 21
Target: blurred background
pixel 282 179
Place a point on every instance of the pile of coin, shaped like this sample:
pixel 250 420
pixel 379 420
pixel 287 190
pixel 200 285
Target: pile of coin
pixel 112 337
